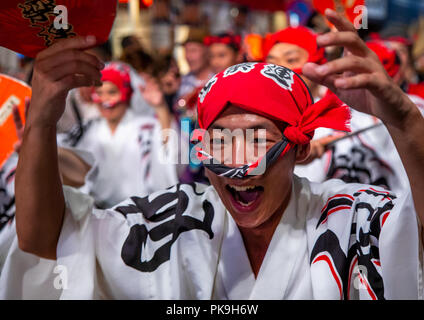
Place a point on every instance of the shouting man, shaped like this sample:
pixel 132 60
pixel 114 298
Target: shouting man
pixel 258 232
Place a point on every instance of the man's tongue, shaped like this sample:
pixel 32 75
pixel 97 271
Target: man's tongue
pixel 247 196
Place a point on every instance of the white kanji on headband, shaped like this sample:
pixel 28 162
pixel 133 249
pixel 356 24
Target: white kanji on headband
pixel 281 76
pixel 242 67
pixel 208 86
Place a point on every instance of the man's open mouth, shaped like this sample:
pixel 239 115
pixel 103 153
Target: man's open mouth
pixel 245 198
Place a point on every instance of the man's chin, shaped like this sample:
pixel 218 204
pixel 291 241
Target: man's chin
pixel 245 216
pixel 246 221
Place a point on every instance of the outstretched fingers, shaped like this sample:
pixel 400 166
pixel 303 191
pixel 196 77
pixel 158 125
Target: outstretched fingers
pixel 360 81
pixel 347 39
pixel 76 67
pixel 70 55
pixel 340 22
pixel 72 81
pixel 310 71
pixel 67 61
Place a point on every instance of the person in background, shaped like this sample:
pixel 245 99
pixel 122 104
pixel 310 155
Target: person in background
pixel 397 39
pixel 130 41
pixel 127 147
pixel 141 66
pixel 293 48
pixel 224 51
pixel 196 54
pixel 139 59
pixel 168 75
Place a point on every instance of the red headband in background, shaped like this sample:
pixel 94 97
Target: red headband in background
pixel 387 56
pixel 299 36
pixel 274 92
pixel 119 74
pixel 231 40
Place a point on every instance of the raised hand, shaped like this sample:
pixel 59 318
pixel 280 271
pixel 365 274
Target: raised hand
pixel 63 66
pixel 154 96
pixel 40 203
pixel 152 93
pixel 358 78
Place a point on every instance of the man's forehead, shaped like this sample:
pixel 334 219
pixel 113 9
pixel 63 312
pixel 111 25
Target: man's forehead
pixel 236 117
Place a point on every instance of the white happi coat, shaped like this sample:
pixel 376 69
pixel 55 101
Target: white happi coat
pixel 334 241
pixel 369 157
pixel 131 161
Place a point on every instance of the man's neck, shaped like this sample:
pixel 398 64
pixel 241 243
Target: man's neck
pixel 256 240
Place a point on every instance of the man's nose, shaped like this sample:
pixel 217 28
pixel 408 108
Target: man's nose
pixel 238 152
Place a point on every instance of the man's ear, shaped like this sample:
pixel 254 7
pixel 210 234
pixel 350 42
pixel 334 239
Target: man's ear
pixel 302 152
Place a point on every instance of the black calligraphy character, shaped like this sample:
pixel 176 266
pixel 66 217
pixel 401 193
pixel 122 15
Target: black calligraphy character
pixel 133 251
pixel 37 11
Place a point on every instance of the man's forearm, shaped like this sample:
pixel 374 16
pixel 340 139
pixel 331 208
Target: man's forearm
pixel 408 137
pixel 40 202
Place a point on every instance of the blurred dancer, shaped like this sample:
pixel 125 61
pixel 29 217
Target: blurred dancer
pixel 196 54
pixel 127 147
pixel 224 51
pixel 293 48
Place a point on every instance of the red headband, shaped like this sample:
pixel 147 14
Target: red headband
pixel 119 74
pixel 387 56
pixel 301 37
pixel 230 40
pixel 274 92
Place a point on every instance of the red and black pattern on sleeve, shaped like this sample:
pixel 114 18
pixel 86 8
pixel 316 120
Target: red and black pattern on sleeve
pixel 363 248
pixel 334 204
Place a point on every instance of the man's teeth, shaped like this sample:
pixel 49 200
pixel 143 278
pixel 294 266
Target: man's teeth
pixel 245 204
pixel 242 188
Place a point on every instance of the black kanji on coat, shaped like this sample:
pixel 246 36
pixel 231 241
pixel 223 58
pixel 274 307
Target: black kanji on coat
pixel 139 234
